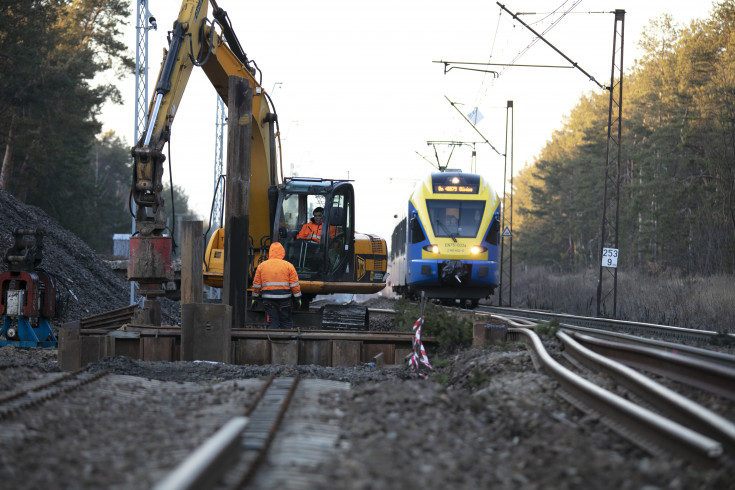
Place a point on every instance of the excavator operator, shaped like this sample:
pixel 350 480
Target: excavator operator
pixel 313 229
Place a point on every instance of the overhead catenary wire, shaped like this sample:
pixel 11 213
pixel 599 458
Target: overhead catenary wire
pixel 480 92
pixel 539 36
pixel 454 104
pixel 476 67
pixel 429 161
pixel 551 26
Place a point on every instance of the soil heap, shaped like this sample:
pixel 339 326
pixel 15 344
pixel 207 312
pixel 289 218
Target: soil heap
pixel 90 284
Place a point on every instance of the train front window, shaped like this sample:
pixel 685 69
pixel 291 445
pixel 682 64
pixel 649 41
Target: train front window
pixel 455 218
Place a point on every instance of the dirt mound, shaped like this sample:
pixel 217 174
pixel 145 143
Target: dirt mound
pixel 92 287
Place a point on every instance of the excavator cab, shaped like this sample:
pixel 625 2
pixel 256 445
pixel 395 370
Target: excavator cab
pixel 326 257
pixel 338 260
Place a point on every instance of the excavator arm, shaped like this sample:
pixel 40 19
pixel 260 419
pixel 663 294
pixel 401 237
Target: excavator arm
pixel 193 41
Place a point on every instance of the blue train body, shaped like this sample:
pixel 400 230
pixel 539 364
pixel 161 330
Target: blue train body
pixel 448 243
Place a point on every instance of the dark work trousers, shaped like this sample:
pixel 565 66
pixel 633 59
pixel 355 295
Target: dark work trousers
pixel 278 312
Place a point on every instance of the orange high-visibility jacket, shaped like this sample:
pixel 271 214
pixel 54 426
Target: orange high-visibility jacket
pixel 312 231
pixel 276 278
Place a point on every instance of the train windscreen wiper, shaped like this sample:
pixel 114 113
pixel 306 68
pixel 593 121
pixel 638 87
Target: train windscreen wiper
pixel 453 236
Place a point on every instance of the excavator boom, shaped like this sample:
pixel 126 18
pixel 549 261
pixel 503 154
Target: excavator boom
pixel 348 262
pixel 193 41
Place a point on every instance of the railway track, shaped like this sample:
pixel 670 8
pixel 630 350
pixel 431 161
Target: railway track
pixel 640 425
pixel 663 399
pixel 702 371
pixel 39 393
pixel 238 455
pixel 674 424
pixel 678 334
pixel 702 368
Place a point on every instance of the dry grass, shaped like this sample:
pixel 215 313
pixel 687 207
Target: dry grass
pixel 669 298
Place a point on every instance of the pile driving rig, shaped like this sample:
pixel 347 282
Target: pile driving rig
pixel 29 295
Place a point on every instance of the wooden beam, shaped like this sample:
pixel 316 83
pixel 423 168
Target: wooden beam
pixel 192 255
pixel 237 199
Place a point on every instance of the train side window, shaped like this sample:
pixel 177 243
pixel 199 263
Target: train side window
pixel 417 234
pixel 493 234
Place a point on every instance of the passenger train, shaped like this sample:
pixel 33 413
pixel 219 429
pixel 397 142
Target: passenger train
pixel 448 243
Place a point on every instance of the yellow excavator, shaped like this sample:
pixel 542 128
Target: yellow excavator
pixel 342 261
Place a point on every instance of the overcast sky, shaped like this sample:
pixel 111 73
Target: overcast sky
pixel 358 94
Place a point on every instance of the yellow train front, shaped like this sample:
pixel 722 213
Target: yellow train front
pixel 447 246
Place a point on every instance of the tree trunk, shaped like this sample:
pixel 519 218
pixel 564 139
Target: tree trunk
pixel 6 171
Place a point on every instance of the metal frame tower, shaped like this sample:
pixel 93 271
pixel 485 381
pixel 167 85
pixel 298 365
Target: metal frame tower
pixel 142 16
pixel 219 187
pixel 611 198
pixel 220 125
pixel 141 67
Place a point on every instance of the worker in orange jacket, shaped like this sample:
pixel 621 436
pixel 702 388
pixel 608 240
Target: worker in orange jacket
pixel 275 281
pixel 313 229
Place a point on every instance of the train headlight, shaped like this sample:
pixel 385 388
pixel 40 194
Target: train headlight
pixel 432 248
pixel 477 249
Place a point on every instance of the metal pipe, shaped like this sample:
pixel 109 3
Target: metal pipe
pixel 152 121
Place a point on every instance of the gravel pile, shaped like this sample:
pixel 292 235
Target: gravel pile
pixel 484 419
pixel 91 285
pixel 88 283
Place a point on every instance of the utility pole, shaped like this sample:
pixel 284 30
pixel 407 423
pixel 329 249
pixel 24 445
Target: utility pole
pixel 611 197
pixel 506 253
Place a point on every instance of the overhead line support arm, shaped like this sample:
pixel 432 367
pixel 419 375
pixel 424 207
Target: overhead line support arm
pixel 574 63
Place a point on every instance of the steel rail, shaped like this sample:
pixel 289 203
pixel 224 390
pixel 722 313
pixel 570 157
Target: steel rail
pixel 709 376
pixel 638 424
pixel 109 319
pixel 722 358
pixel 35 395
pixel 651 329
pixel 209 461
pixel 230 458
pixel 266 420
pixel 716 357
pixel 672 404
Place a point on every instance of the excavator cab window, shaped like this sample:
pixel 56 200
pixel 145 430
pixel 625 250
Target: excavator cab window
pixel 288 227
pixel 317 252
pixel 303 249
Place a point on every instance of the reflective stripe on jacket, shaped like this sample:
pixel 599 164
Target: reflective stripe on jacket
pixel 276 278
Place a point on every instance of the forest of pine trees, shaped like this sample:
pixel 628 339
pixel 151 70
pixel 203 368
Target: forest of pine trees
pixel 54 155
pixel 677 175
